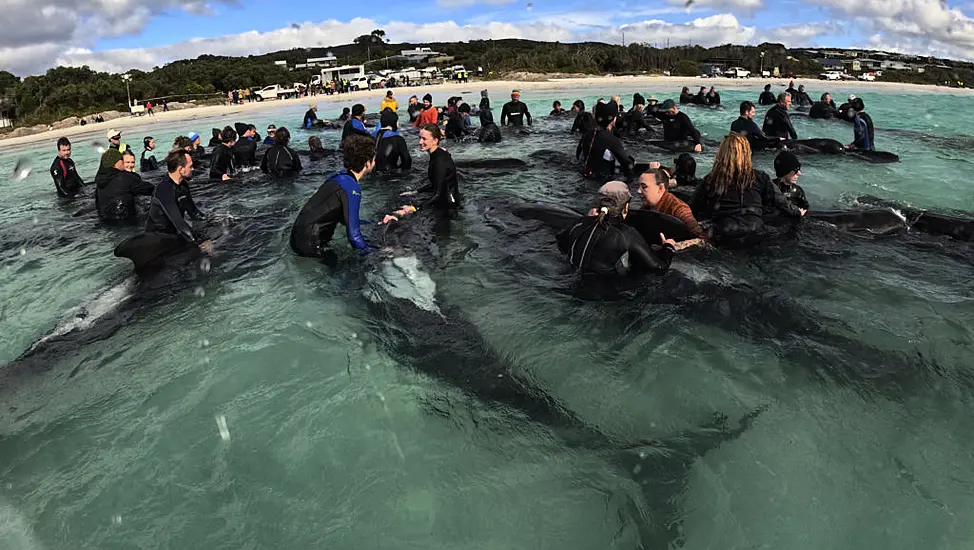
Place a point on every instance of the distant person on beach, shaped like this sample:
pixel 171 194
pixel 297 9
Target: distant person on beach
pixel 67 182
pixel 515 112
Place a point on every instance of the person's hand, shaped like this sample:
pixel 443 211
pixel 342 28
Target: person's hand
pixel 654 165
pixel 407 193
pixel 226 177
pixel 802 210
pixel 697 148
pixel 388 218
pixel 688 243
pixel 666 241
pixel 206 246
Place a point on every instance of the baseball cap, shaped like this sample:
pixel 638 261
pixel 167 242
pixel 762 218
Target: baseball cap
pixel 614 194
pixel 271 128
pixel 852 97
pixel 667 105
pixel 113 132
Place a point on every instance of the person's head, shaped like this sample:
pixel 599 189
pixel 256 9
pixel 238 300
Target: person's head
pixel 358 111
pixel 606 114
pixel 179 164
pixel 516 95
pixel 732 167
pixel 556 105
pixel 228 136
pixel 182 142
pixel 195 139
pixel 413 100
pixel 652 100
pixel 64 148
pixel 578 106
pixel 429 137
pixel 111 159
pixel 703 89
pixel 858 105
pixel 638 100
pixel 282 136
pixel 114 137
pixel 684 168
pixel 346 111
pixel 787 167
pixel 826 97
pixel 464 108
pixel 216 133
pixel 427 101
pixel 314 107
pixel 128 161
pixel 251 131
pixel 784 99
pixel 669 107
pixel 767 87
pixel 801 88
pixel 271 130
pixel 149 142
pixel 389 94
pixel 652 186
pixel 389 119
pixel 747 109
pixel 713 89
pixel 314 144
pixel 686 90
pixel 359 154
pixel 614 198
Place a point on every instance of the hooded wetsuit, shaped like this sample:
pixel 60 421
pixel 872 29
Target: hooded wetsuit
pixel 148 164
pixel 338 200
pixel 862 132
pixel 168 209
pixel 281 160
pixel 443 182
pixel 598 151
pixel 391 151
pixel 777 123
pixel 489 131
pixel 115 195
pixel 67 182
pixel 515 112
pixel 611 247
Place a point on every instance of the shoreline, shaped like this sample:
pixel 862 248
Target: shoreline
pixel 498 89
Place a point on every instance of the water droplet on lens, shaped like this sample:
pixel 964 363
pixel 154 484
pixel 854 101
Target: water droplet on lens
pixel 21 170
pixel 23 251
pixel 35 219
pixel 199 292
pixel 928 116
pixel 221 425
pixel 307 324
pixel 205 265
pixel 117 520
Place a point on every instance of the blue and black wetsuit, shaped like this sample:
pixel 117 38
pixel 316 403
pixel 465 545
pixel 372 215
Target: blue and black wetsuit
pixel 863 132
pixel 354 126
pixel 337 201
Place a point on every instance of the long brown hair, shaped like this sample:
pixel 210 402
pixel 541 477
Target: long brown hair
pixel 732 168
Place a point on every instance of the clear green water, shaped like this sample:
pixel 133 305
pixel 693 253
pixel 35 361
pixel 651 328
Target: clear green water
pixel 333 444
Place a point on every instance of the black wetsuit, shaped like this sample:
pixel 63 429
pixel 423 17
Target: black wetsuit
pixel 686 97
pixel 794 193
pixel 515 112
pixel 700 98
pixel 846 112
pixel 598 151
pixel 562 112
pixel 414 111
pixel 577 124
pixel 67 182
pixel 767 98
pixel 310 119
pixel 749 129
pixel 221 162
pixel 679 128
pixel 281 160
pixel 150 163
pixel 631 123
pixel 823 110
pixel 611 248
pixel 391 152
pixel 777 123
pixel 713 98
pixel 168 210
pixel 245 152
pixel 738 214
pixel 115 195
pixel 489 132
pixel 869 129
pixel 456 127
pixel 442 182
pixel 336 201
pixel 801 99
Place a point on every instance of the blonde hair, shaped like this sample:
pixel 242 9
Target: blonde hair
pixel 732 169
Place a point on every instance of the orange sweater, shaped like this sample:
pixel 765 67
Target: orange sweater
pixel 671 205
pixel 429 116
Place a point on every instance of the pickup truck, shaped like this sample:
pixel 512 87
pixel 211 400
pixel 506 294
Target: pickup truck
pixel 137 108
pixel 737 72
pixel 830 75
pixel 274 92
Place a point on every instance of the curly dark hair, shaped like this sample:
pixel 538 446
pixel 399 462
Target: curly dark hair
pixel 282 136
pixel 314 144
pixel 182 142
pixel 358 151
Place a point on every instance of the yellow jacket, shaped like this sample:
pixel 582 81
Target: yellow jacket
pixel 390 103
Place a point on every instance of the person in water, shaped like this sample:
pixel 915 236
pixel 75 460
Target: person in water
pixel 677 125
pixel 777 123
pixel 442 173
pixel 863 133
pixel 337 201
pixel 414 109
pixel 635 119
pixel 429 114
pixel 824 109
pixel 310 117
pixel 245 149
pixel 269 140
pixel 604 245
pixel 746 126
pixel 315 148
pixel 389 102
pixel 578 107
pixel 489 131
pixel 115 194
pixel 734 195
pixel 787 168
pixel 216 140
pixel 713 98
pixel 556 109
pixel 701 97
pixel 346 114
pixel 114 142
pixel 196 150
pixel 391 151
pixel 685 96
pixel 515 112
pixel 801 98
pixel 355 124
pixel 456 124
pixel 221 162
pixel 683 173
pixel 172 202
pixel 280 159
pixel 767 96
pixel 67 182
pixel 148 164
pixel 599 149
pixel 652 189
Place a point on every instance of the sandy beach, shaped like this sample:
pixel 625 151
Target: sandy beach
pixel 499 89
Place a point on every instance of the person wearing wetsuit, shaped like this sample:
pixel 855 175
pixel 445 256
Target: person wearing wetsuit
pixel 489 131
pixel 863 132
pixel 635 119
pixel 578 108
pixel 604 245
pixel 245 149
pixel 67 182
pixel 713 98
pixel 599 149
pixel 685 96
pixel 801 98
pixel 777 123
pixel 767 96
pixel 701 97
pixel 216 139
pixel 787 168
pixel 515 112
pixel 846 112
pixel 148 164
pixel 271 130
pixel 355 124
pixel 556 109
pixel 280 159
pixel 456 125
pixel 735 196
pixel 429 114
pixel 677 126
pixel 346 114
pixel 172 203
pixel 310 117
pixel 115 194
pixel 391 151
pixel 221 161
pixel 652 189
pixel 414 109
pixel 337 201
pixel 442 173
pixel 790 90
pixel 824 109
pixel 746 126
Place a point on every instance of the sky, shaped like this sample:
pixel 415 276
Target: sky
pixel 119 35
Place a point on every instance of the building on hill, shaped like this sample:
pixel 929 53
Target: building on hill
pixel 420 54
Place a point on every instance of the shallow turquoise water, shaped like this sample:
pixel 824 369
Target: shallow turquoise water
pixel 334 444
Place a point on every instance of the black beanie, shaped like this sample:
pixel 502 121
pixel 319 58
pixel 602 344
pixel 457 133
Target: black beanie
pixel 428 97
pixel 637 99
pixel 857 104
pixel 605 113
pixel 388 119
pixel 785 163
pixel 358 109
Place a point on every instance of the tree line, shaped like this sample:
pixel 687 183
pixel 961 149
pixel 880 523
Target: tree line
pixel 80 91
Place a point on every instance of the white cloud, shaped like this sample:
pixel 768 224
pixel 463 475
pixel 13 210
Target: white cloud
pixel 453 4
pixel 740 6
pixel 797 36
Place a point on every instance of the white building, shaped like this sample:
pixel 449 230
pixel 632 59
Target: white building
pixel 419 54
pixel 327 61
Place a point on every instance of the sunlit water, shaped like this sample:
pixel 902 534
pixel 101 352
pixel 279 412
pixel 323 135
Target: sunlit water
pixel 863 442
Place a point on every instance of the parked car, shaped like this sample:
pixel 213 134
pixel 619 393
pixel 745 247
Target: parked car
pixel 737 72
pixel 274 92
pixel 830 75
pixel 867 76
